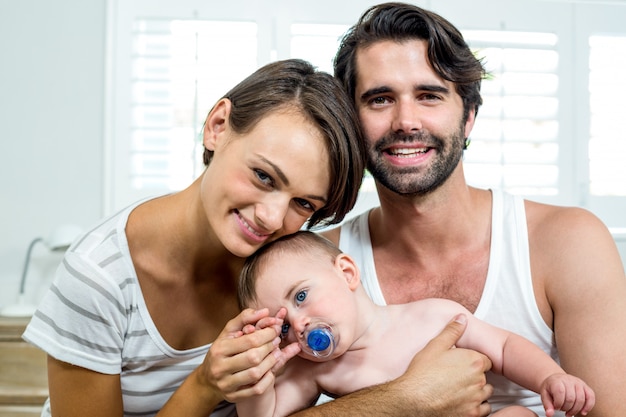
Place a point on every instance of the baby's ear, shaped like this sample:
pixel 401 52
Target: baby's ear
pixel 349 270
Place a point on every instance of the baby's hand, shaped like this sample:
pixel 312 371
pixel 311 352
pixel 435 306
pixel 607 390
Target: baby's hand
pixel 275 322
pixel 238 364
pixel 282 353
pixel 566 393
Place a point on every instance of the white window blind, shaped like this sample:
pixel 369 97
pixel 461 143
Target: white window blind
pixel 179 69
pixel 607 141
pixel 514 144
pixel 317 43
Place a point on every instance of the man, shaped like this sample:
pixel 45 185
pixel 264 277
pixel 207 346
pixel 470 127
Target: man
pixel 551 274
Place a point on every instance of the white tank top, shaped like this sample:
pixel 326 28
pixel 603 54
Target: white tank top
pixel 507 301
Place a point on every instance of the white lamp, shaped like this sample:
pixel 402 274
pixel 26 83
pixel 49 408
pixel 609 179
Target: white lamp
pixel 60 239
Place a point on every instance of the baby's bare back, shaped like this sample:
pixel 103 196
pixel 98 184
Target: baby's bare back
pixel 399 334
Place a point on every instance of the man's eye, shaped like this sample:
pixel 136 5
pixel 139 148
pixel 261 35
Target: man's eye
pixel 379 100
pixel 429 97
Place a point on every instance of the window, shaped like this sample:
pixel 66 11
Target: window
pixel 514 144
pixel 607 141
pixel 601 41
pixel 177 69
pixel 175 81
pixel 548 129
pixel 178 72
pixel 316 43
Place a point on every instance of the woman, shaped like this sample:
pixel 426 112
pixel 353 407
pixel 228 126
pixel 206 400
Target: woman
pixel 138 301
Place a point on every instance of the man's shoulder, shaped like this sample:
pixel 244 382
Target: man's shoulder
pixel 552 217
pixel 351 225
pixel 564 231
pixel 332 234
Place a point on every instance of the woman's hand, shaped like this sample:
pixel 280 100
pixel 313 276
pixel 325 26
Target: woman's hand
pixel 283 352
pixel 238 362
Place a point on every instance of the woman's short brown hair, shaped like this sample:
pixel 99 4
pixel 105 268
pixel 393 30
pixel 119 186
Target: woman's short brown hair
pixel 296 84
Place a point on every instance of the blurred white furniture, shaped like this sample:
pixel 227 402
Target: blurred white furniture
pixel 60 239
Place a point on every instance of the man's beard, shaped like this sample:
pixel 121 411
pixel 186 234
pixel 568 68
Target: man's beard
pixel 417 181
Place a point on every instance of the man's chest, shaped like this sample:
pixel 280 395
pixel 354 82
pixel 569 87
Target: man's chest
pixel 402 281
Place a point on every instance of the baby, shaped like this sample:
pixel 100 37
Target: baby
pixel 344 342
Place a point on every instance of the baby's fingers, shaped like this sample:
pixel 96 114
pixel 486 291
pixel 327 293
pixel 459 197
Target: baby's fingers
pixel 548 404
pixel 273 322
pixel 247 329
pixel 590 401
pixel 249 316
pixel 583 403
pixel 276 322
pixel 573 397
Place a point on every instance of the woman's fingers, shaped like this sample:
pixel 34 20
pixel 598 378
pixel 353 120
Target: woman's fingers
pixel 240 361
pixel 236 362
pixel 246 317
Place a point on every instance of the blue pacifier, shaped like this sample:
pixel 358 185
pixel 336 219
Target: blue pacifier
pixel 320 341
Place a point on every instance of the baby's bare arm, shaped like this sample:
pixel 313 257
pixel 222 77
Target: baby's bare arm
pixel 526 364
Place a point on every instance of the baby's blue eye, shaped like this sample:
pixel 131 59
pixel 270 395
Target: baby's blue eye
pixel 284 330
pixel 300 296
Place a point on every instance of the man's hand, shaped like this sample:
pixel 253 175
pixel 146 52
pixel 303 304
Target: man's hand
pixel 448 381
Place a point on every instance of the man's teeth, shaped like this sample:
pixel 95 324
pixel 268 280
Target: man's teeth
pixel 407 152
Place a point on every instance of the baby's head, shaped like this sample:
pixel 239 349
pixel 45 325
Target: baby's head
pixel 316 284
pixel 300 244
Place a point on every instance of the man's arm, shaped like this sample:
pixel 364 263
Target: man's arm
pixel 440 381
pixel 575 259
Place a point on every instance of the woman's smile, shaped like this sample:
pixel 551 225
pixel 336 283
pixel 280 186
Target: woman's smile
pixel 249 230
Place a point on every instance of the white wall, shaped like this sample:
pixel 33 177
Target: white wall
pixel 51 122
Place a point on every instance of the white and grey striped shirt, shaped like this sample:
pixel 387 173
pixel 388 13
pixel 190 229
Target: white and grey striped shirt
pixel 94 316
